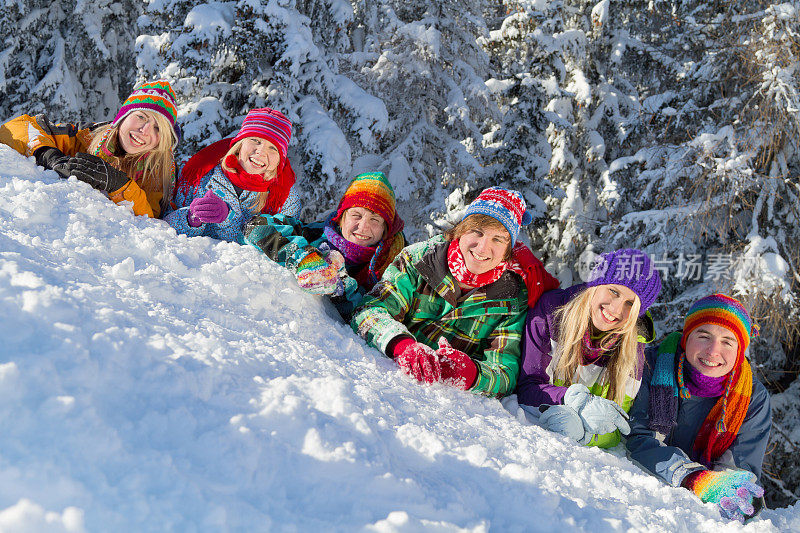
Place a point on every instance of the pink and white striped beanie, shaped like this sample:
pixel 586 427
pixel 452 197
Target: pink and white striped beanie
pixel 268 124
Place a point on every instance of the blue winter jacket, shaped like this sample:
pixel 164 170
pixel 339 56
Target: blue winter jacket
pixel 232 228
pixel 673 459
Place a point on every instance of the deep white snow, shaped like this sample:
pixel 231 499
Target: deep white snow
pixel 152 382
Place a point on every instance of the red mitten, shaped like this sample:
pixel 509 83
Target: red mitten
pixel 418 360
pixel 458 369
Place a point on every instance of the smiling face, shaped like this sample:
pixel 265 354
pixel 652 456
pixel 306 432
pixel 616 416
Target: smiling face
pixel 484 248
pixel 259 156
pixel 361 226
pixel 712 350
pixel 138 132
pixel 611 306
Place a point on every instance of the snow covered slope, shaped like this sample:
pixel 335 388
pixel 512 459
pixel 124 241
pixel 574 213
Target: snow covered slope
pixel 151 382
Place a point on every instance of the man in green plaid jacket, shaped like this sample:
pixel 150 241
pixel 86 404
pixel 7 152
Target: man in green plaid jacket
pixel 442 318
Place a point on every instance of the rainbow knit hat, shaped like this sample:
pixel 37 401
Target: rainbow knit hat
pixel 269 124
pixel 156 96
pixel 372 191
pixel 723 311
pixel 504 205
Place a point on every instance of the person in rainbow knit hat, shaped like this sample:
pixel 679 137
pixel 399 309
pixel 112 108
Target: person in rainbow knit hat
pixel 129 159
pixel 702 419
pixel 344 255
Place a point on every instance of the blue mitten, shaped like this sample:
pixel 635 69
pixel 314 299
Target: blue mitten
pixel 732 490
pixel 562 419
pixel 599 415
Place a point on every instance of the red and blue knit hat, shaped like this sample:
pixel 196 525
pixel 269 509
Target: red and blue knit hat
pixel 156 96
pixel 372 191
pixel 504 205
pixel 269 124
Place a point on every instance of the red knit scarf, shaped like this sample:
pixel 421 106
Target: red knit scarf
pixel 723 422
pixel 243 179
pixel 209 157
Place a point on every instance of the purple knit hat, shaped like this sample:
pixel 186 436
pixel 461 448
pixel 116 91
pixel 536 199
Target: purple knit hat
pixel 631 268
pixel 268 124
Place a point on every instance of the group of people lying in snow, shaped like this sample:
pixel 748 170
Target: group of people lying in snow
pixel 473 308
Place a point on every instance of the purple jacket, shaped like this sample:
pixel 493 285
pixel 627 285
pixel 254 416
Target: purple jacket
pixel 535 385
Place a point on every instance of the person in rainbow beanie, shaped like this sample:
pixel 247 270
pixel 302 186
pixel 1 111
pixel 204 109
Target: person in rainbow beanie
pixel 130 159
pixel 344 255
pixel 702 419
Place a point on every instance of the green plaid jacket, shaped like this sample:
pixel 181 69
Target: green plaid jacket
pixel 418 296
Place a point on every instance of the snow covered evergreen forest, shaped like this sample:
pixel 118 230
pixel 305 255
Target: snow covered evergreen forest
pixel 672 126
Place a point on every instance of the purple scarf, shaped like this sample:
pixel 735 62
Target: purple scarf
pixel 703 386
pixel 593 349
pixel 354 254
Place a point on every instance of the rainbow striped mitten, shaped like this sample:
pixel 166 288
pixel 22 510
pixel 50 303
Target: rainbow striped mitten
pixel 321 275
pixel 732 490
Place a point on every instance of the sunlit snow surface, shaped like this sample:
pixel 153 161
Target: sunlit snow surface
pixel 152 382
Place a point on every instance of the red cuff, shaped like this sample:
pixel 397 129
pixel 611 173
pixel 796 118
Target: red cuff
pixel 470 374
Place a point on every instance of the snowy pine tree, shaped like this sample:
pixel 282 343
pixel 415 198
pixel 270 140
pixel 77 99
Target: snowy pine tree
pixel 73 61
pixel 673 128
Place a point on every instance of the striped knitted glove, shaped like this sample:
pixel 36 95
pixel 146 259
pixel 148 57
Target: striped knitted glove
pixel 321 275
pixel 732 490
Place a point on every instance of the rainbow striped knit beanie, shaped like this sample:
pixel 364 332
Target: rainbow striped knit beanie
pixel 269 124
pixel 372 191
pixel 156 96
pixel 723 311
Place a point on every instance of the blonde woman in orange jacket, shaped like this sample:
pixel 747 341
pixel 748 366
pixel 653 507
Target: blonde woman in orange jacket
pixel 130 158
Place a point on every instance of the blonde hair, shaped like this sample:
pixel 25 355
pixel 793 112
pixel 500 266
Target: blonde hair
pixel 574 317
pixel 158 164
pixel 261 198
pixel 478 221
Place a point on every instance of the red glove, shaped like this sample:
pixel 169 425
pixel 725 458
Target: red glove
pixel 417 360
pixel 458 369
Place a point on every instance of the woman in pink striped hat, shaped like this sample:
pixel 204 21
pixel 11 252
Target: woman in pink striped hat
pixel 227 183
